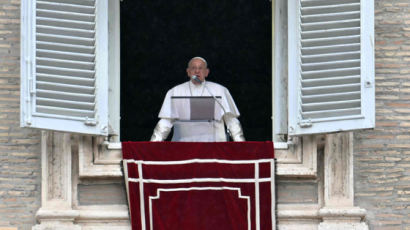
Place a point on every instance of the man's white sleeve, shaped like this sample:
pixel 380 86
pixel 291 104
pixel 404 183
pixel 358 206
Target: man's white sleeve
pixel 234 127
pixel 162 130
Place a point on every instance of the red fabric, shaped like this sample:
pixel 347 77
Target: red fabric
pixel 171 151
pixel 181 191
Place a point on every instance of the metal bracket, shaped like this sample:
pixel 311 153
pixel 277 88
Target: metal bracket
pixel 90 122
pixel 306 124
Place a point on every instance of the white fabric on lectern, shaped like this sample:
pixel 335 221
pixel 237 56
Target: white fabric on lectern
pixel 190 89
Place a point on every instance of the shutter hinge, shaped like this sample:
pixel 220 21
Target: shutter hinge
pixel 90 122
pixel 31 86
pixel 306 124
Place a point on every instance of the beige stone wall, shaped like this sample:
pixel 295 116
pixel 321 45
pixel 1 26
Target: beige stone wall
pixel 382 156
pixel 19 148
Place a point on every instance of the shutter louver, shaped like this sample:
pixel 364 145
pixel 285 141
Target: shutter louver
pixel 328 63
pixel 65 67
pixel 65 23
pixel 325 69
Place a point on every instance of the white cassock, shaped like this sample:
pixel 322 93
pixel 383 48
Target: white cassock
pixel 184 131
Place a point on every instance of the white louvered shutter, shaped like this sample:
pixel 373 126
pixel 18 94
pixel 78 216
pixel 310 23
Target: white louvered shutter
pixel 64 65
pixel 331 66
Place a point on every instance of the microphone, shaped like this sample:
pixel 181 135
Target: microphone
pixel 195 78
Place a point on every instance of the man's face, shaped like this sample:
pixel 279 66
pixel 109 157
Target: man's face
pixel 197 67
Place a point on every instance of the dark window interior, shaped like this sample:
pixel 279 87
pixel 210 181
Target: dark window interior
pixel 159 37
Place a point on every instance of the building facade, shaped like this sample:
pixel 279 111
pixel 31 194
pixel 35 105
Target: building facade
pixel 346 180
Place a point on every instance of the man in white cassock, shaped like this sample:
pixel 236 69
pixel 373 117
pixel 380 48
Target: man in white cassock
pixel 225 110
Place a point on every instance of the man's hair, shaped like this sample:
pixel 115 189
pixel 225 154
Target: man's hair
pixel 200 58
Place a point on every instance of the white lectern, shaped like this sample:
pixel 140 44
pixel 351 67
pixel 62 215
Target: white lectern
pixel 194 119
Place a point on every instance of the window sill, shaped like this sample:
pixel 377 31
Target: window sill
pixel 294 159
pixel 277 145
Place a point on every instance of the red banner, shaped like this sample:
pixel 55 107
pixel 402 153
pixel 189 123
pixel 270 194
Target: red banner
pixel 202 186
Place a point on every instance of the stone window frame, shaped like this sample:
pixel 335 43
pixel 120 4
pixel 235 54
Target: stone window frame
pixel 99 158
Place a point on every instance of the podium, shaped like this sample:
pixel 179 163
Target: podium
pixel 196 119
pixel 200 186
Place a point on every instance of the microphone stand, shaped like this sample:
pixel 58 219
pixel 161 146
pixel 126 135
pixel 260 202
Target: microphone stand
pixel 228 134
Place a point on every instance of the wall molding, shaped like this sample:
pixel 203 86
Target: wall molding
pixel 97 160
pixel 300 159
